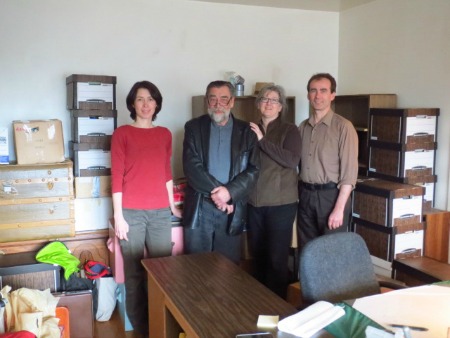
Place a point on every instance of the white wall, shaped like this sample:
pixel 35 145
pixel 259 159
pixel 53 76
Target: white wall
pixel 402 47
pixel 179 45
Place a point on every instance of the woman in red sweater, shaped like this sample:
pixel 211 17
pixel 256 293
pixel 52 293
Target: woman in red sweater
pixel 142 193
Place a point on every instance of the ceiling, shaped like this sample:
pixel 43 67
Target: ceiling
pixel 315 5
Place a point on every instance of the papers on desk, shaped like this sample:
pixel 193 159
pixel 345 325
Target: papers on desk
pixel 312 319
pixel 426 306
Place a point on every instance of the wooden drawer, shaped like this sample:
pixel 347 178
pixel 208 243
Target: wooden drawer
pixel 387 203
pixel 412 126
pixel 391 243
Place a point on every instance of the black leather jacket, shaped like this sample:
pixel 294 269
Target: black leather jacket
pixel 244 171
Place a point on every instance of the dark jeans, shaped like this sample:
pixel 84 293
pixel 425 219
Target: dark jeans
pixel 152 229
pixel 314 208
pixel 211 235
pixel 270 235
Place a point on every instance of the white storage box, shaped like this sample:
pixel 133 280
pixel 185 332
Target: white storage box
pixel 92 213
pixel 95 92
pixel 92 162
pixel 91 92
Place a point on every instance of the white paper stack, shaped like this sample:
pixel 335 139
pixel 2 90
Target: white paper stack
pixel 312 319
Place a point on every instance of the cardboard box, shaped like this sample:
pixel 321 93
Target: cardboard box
pixel 38 141
pixel 92 213
pixel 4 146
pixel 92 186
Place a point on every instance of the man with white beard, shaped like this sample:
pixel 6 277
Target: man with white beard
pixel 221 165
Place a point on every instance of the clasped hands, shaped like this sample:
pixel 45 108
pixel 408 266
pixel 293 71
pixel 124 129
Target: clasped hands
pixel 220 196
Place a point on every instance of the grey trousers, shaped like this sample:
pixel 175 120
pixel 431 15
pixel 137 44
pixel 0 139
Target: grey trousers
pixel 151 229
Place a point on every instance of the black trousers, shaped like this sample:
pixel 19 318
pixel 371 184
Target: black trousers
pixel 212 235
pixel 270 235
pixel 314 208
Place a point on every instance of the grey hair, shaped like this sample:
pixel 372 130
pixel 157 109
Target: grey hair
pixel 277 89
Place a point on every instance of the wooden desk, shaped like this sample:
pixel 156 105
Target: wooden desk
pixel 420 271
pixel 206 295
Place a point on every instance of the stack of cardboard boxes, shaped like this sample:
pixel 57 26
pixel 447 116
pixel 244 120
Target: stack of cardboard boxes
pixel 388 205
pixel 402 147
pixel 91 100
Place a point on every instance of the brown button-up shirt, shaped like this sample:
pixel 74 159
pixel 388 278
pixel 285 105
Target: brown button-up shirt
pixel 329 151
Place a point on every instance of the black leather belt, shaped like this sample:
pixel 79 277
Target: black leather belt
pixel 314 186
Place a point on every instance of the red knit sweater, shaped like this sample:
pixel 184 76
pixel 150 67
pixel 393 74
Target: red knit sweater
pixel 140 166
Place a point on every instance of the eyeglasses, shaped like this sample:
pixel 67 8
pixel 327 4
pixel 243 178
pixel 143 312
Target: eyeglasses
pixel 267 100
pixel 223 101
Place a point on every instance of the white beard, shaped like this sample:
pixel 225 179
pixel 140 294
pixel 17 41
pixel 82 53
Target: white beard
pixel 219 118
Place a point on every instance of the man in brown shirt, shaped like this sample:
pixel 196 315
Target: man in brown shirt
pixel 328 166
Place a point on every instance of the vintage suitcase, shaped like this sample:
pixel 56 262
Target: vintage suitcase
pixel 88 161
pixel 81 313
pixel 94 127
pixel 91 92
pixel 387 203
pixel 36 201
pixel 389 243
pixel 414 127
pixel 21 270
pixel 37 180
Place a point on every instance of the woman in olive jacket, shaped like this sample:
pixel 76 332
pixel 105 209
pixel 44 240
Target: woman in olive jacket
pixel 273 201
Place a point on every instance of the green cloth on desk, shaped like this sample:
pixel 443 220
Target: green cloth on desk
pixel 352 325
pixel 443 283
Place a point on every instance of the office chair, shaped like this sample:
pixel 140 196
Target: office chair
pixel 338 267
